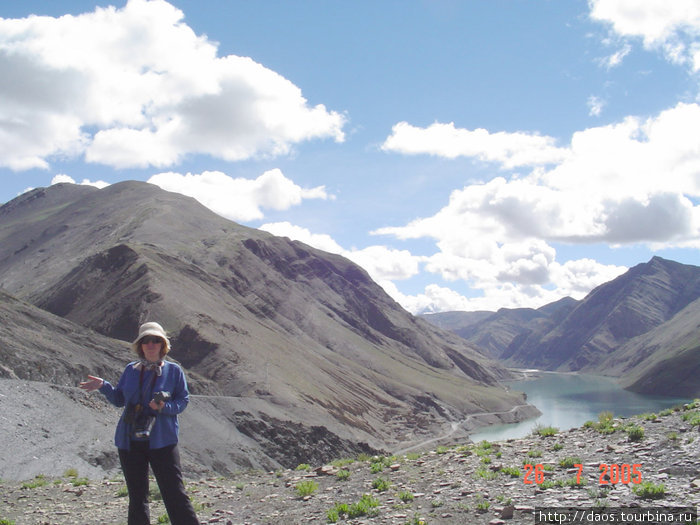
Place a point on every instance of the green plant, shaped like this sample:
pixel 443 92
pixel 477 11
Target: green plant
pixel 442 450
pixel 649 490
pixel 70 473
pixel 38 481
pixel 557 446
pixel 122 492
pixel 154 494
pixel 367 506
pixel 569 462
pixel 343 475
pixel 406 496
pixel 413 456
pixel 306 488
pixel 545 431
pixel 381 484
pixel 437 503
pixel 303 466
pixel 505 500
pixel 482 505
pixel 80 482
pixel 485 474
pixel 416 520
pixel 635 433
pixel 511 471
pixel 376 467
pixel 338 511
pixel 163 518
pixel 7 522
pixel 605 417
pixel 343 462
pixel 535 453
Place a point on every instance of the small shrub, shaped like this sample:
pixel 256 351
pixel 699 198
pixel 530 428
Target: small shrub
pixel 343 462
pixel 163 518
pixel 557 446
pixel 511 471
pixel 80 482
pixel 7 522
pixel 635 433
pixel 343 475
pixel 545 431
pixel 569 462
pixel 122 492
pixel 303 466
pixel 70 473
pixel 154 494
pixel 38 481
pixel 306 488
pixel 605 417
pixel 482 505
pixel 485 474
pixel 413 456
pixel 367 506
pixel 649 490
pixel 332 516
pixel 376 467
pixel 406 496
pixel 381 484
pixel 535 453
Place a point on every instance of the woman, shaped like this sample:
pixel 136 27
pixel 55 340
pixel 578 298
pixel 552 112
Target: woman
pixel 153 392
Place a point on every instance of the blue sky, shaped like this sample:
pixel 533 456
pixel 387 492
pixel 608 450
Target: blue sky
pixel 470 155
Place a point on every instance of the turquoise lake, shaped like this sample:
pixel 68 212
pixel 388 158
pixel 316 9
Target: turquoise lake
pixel 569 400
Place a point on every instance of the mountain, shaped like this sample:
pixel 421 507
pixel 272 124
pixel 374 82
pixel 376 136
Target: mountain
pixel 644 297
pixel 495 331
pixel 303 340
pixel 643 327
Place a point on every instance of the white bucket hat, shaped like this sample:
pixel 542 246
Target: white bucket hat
pixel 151 328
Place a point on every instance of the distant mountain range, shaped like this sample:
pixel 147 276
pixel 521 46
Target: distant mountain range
pixel 306 355
pixel 643 327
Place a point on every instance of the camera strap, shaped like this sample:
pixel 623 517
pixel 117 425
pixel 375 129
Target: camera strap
pixel 142 401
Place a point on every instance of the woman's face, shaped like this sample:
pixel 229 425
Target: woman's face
pixel 152 346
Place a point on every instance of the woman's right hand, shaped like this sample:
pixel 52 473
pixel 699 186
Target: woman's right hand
pixel 93 383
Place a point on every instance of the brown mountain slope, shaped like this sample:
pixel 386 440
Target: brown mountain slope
pixel 301 331
pixel 666 359
pixel 643 298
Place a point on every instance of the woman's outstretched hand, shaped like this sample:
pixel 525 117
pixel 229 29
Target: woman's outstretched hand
pixel 93 383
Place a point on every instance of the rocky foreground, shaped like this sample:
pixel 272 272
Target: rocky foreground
pixel 649 461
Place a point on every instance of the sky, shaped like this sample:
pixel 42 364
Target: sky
pixel 470 155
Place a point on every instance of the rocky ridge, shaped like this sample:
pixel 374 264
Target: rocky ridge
pixel 482 483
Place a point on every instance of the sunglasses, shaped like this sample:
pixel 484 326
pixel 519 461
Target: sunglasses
pixel 151 339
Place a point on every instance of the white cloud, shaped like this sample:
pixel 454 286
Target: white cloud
pixel 671 26
pixel 382 263
pixel 62 178
pixel 137 87
pixel 239 199
pixel 445 140
pixel 632 182
pixel 617 57
pixel 595 106
pixel 297 233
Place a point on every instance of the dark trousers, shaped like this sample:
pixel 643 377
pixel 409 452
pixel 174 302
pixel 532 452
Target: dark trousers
pixel 165 463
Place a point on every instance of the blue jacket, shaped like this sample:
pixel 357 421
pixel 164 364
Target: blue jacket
pixel 136 387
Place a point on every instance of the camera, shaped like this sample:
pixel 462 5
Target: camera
pixel 142 420
pixel 161 396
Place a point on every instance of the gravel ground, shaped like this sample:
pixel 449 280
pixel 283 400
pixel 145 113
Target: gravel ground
pixel 468 483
